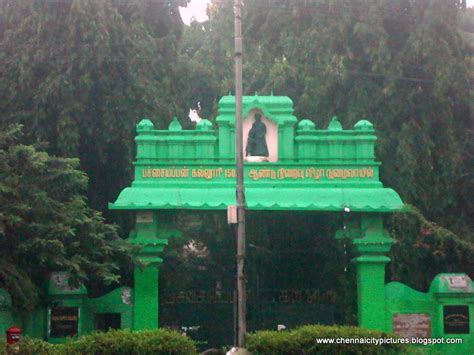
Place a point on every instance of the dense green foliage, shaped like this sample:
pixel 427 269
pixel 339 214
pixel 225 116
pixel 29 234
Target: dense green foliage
pixel 46 224
pixel 79 75
pixel 425 249
pixel 29 346
pixel 115 342
pixel 161 341
pixel 304 340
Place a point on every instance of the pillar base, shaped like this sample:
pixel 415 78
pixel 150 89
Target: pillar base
pixel 146 298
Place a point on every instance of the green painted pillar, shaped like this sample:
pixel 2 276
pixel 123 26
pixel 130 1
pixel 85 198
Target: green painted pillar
pixel 152 237
pixel 371 291
pixel 373 245
pixel 146 298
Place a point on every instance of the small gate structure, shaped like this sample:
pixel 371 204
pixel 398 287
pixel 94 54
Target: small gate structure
pixel 306 170
pixel 298 168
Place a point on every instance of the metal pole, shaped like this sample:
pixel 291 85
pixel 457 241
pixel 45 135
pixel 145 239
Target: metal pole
pixel 241 294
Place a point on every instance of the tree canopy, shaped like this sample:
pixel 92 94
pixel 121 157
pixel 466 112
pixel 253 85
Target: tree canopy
pixel 79 74
pixel 46 224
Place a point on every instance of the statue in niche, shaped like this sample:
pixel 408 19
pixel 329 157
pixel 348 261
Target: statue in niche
pixel 256 143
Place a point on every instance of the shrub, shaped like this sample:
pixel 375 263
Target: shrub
pixel 116 342
pixel 303 340
pixel 31 346
pixel 160 341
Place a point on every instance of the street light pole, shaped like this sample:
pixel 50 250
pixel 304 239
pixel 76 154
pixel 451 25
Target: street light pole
pixel 240 192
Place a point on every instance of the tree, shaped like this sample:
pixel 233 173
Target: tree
pixel 80 74
pixel 47 226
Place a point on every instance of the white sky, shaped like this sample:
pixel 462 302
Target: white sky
pixel 197 8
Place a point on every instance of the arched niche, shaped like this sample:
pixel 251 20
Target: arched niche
pixel 271 136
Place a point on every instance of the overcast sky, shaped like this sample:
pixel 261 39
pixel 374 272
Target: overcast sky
pixel 197 8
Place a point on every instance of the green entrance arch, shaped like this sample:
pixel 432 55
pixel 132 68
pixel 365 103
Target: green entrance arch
pixel 314 170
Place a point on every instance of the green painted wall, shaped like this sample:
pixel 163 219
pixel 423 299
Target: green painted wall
pixel 119 301
pixel 401 299
pixel 36 323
